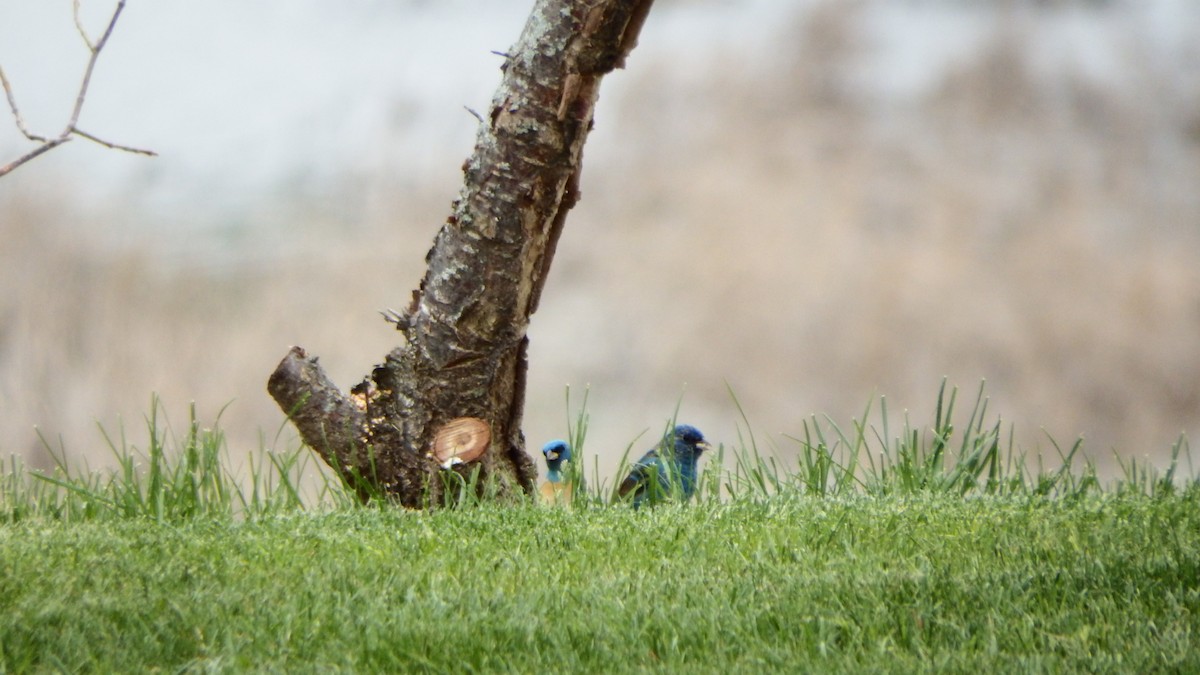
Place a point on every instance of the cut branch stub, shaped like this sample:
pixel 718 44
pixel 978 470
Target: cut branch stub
pixel 461 440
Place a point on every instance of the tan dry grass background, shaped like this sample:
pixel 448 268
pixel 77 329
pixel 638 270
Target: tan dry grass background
pixel 777 230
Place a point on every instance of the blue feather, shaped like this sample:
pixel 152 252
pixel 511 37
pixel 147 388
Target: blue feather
pixel 666 469
pixel 557 452
pixel 556 489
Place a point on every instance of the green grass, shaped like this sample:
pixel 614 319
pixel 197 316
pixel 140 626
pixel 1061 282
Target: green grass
pixel 172 478
pixel 848 584
pixel 884 548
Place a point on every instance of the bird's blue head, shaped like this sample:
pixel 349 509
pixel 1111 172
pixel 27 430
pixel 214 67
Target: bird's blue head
pixel 557 452
pixel 689 440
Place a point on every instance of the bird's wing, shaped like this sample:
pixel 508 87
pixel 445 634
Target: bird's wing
pixel 637 475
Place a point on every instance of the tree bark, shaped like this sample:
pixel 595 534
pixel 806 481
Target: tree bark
pixel 464 353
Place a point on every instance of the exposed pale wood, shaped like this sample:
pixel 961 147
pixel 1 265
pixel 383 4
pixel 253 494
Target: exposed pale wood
pixel 462 439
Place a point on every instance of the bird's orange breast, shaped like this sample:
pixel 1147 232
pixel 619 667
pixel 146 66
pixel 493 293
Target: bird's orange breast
pixel 556 494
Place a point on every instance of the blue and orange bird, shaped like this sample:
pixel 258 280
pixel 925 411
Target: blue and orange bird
pixel 668 467
pixel 557 488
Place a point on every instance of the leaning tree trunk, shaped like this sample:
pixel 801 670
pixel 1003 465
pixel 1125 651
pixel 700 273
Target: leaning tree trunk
pixel 464 353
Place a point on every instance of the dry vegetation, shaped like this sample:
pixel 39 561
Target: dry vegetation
pixel 783 231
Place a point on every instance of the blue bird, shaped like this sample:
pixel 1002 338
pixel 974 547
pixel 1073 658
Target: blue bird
pixel 557 489
pixel 668 467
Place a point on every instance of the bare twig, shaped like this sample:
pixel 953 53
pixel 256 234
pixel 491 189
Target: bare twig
pixel 113 146
pixel 45 147
pixel 48 144
pixel 79 24
pixel 12 104
pixel 91 64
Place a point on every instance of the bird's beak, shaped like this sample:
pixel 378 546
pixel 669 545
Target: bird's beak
pixel 704 446
pixel 552 455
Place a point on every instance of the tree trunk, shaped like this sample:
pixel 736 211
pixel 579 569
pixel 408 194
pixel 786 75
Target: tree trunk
pixel 464 353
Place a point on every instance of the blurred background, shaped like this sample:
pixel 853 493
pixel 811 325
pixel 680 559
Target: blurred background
pixel 807 203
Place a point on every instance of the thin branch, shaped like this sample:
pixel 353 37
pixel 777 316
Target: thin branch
pixel 12 104
pixel 114 146
pixel 71 128
pixel 79 26
pixel 91 64
pixel 45 147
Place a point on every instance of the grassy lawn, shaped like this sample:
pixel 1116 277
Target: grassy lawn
pixel 880 550
pixel 837 584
